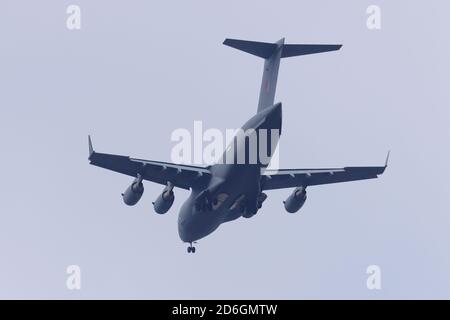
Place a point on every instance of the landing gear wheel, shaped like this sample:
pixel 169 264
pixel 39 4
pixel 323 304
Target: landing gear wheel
pixel 191 249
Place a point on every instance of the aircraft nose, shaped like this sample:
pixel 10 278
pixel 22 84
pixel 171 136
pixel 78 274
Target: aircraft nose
pixel 183 233
pixel 184 230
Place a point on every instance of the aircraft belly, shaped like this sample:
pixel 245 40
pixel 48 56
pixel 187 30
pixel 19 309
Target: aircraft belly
pixel 243 188
pixel 239 183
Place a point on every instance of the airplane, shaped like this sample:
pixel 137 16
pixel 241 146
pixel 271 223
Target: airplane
pixel 223 192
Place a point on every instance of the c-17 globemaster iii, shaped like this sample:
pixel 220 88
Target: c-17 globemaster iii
pixel 228 190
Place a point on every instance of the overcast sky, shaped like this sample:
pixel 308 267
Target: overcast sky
pixel 137 70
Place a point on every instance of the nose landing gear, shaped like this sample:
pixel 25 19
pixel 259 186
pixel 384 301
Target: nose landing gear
pixel 191 248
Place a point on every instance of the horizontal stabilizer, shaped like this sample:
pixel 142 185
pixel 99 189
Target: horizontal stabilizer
pixel 259 49
pixel 266 50
pixel 292 50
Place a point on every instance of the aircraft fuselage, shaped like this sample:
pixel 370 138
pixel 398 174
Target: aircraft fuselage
pixel 234 188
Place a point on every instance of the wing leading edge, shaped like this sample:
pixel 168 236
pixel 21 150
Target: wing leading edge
pixel 290 178
pixel 181 176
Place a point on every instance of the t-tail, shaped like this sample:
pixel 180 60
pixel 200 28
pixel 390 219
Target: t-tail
pixel 272 54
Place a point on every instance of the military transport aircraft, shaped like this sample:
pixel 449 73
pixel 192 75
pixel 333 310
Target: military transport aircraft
pixel 225 191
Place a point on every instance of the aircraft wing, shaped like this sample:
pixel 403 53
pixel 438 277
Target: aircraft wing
pixel 181 176
pixel 291 178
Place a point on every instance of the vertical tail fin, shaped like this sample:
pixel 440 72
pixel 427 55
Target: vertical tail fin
pixel 272 54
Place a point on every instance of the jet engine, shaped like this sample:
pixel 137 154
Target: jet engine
pixel 165 200
pixel 296 200
pixel 134 192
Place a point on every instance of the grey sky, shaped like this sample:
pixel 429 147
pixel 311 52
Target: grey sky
pixel 137 70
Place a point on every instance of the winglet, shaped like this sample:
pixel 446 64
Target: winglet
pixel 387 159
pixel 91 149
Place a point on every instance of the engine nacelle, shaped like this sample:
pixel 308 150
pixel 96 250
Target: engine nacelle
pixel 296 200
pixel 134 192
pixel 165 200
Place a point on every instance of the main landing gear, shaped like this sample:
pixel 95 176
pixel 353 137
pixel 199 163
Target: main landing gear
pixel 191 248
